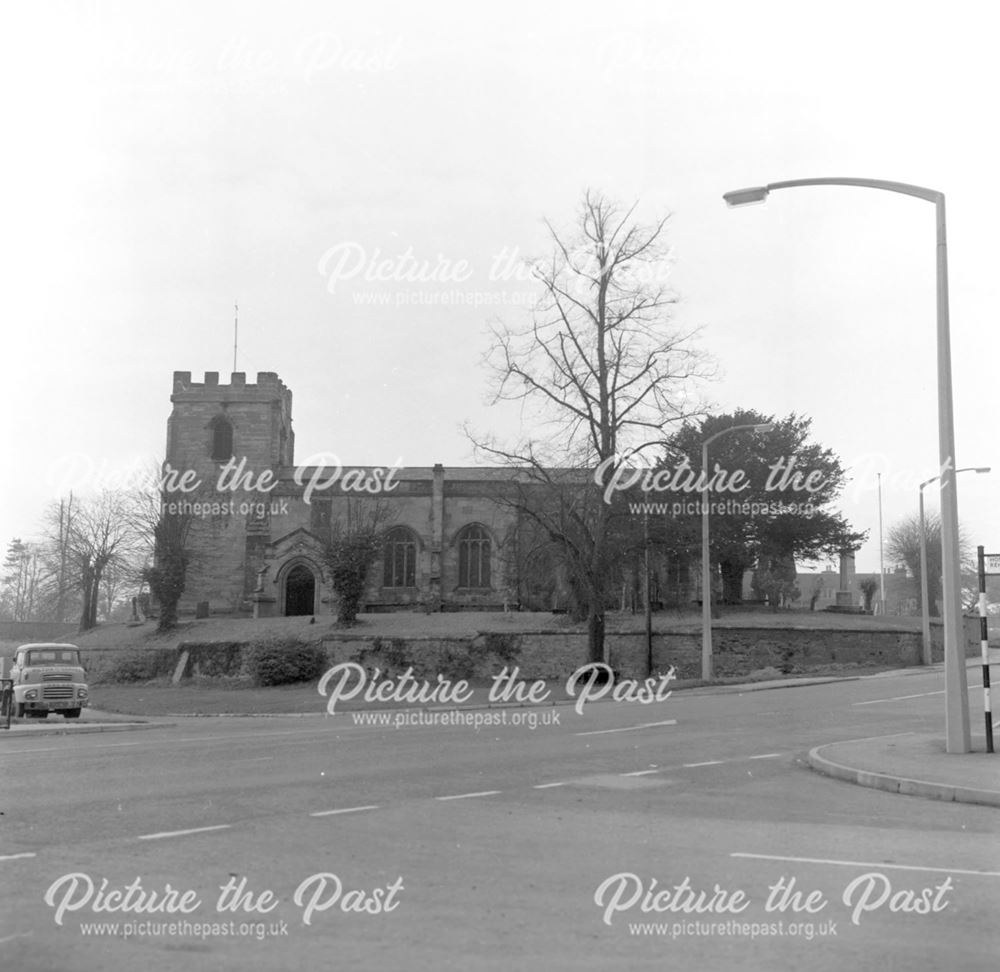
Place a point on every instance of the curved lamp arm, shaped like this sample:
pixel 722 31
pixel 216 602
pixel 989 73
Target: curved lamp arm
pixel 757 194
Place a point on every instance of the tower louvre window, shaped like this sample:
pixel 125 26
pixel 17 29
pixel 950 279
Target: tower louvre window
pixel 222 439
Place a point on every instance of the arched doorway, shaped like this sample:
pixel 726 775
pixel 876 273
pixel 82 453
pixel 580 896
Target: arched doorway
pixel 300 591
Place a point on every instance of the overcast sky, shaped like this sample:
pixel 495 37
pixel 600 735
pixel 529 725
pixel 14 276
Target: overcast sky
pixel 164 161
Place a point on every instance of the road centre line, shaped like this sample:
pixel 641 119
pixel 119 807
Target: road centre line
pixel 707 762
pixel 875 864
pixel 466 796
pixel 17 857
pixel 548 786
pixel 332 813
pixel 645 725
pixel 183 833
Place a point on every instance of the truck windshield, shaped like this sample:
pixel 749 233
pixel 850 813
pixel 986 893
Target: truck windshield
pixel 53 656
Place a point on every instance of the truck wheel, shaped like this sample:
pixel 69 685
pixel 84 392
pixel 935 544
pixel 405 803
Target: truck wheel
pixel 71 713
pixel 19 710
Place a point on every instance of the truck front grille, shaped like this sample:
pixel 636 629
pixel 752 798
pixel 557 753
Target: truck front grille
pixel 57 691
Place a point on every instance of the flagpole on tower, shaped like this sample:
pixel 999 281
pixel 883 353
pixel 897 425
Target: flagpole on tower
pixel 236 330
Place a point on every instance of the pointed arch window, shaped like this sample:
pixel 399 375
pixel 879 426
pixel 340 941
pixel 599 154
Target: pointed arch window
pixel 399 559
pixel 222 439
pixel 474 557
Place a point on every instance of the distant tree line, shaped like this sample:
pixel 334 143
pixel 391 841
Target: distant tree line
pixel 91 556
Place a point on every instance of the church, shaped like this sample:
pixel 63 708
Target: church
pixel 258 521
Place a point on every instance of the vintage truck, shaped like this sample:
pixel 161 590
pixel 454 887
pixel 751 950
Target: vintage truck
pixel 49 678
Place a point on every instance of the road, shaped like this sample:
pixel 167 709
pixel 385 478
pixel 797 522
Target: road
pixel 682 834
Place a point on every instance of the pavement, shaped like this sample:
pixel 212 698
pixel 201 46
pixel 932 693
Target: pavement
pixel 911 764
pixel 914 764
pixel 917 764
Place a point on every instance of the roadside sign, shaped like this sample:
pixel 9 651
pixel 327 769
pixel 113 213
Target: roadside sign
pixel 992 563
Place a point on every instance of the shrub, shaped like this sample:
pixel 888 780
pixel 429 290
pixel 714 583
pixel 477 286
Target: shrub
pixel 390 655
pixel 284 662
pixel 397 655
pixel 457 665
pixel 136 666
pixel 349 556
pixel 506 647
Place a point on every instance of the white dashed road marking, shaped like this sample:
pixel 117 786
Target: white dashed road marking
pixel 466 796
pixel 183 833
pixel 878 864
pixel 331 813
pixel 899 698
pixel 645 725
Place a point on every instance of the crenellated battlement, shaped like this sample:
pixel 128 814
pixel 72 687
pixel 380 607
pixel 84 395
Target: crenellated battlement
pixel 212 421
pixel 267 381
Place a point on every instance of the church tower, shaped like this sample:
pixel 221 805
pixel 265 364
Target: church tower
pixel 248 427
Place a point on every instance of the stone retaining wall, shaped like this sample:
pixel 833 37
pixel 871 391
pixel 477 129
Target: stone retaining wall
pixel 554 655
pixel 736 651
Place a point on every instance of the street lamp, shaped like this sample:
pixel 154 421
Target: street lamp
pixel 924 595
pixel 706 573
pixel 957 737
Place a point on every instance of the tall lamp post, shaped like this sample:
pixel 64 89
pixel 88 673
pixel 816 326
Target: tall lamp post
pixel 957 736
pixel 706 573
pixel 881 559
pixel 925 614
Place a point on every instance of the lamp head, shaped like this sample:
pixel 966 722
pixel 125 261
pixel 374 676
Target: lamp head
pixel 763 428
pixel 746 197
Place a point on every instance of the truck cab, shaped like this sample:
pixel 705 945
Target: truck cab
pixel 49 678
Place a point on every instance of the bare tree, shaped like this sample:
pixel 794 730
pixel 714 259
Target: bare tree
pixel 118 583
pixel 60 588
pixel 603 370
pixel 101 534
pixel 20 585
pixel 902 545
